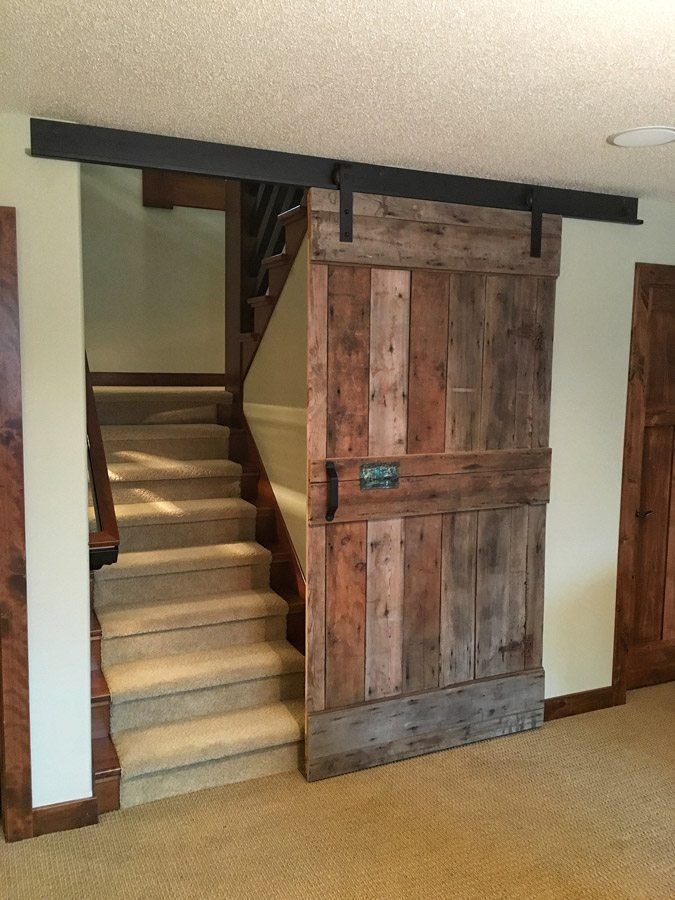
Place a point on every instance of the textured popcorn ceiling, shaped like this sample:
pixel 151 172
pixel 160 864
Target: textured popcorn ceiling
pixel 510 89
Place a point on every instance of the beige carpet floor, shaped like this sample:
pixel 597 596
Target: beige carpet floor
pixel 582 808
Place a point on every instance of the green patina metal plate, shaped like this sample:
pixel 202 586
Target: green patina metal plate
pixel 375 476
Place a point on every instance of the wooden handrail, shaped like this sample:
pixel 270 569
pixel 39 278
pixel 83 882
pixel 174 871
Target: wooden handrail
pixel 104 542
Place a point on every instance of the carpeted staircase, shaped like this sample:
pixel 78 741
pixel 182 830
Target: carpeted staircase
pixel 204 687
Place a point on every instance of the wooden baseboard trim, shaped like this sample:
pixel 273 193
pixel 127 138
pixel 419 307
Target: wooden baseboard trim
pixel 157 379
pixel 581 702
pixel 65 816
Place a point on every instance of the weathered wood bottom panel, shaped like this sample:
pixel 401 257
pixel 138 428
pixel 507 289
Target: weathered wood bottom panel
pixel 374 733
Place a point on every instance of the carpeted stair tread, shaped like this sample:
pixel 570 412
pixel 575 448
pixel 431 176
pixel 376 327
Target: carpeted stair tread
pixel 121 621
pixel 163 675
pixel 164 512
pixel 141 563
pixel 200 395
pixel 161 432
pixel 193 741
pixel 158 468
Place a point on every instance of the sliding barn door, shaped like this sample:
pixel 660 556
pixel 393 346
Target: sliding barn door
pixel 429 380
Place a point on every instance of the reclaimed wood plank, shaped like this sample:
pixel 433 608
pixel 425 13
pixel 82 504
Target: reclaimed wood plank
pixel 384 608
pixel 395 243
pixel 317 373
pixel 389 341
pixel 501 574
pixel 500 367
pixel 526 295
pixel 534 616
pixel 458 598
pixel 315 612
pixel 380 731
pixel 432 495
pixel 415 745
pixel 421 602
pixel 543 360
pixel 434 211
pixel 345 613
pixel 348 360
pixel 465 361
pixel 428 361
pixel 454 463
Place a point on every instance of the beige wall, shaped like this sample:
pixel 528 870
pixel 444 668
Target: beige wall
pixel 46 195
pixel 154 279
pixel 590 372
pixel 275 402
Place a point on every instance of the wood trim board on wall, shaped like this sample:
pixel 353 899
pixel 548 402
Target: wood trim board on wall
pixel 15 767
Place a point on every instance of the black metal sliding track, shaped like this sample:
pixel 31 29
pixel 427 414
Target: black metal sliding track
pixel 109 146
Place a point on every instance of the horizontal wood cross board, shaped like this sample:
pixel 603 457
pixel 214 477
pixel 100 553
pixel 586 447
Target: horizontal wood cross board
pixel 347 739
pixel 433 483
pixel 399 233
pixel 429 392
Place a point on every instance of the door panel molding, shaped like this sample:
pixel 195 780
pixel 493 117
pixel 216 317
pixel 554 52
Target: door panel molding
pixel 646 408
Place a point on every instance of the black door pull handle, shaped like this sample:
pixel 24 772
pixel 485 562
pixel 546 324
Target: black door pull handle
pixel 643 513
pixel 333 497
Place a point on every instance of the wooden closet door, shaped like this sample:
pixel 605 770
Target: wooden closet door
pixel 646 589
pixel 429 380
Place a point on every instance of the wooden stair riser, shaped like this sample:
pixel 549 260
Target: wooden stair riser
pixel 182 585
pixel 261 316
pixel 100 719
pixel 187 534
pixel 265 526
pixel 295 231
pixel 277 278
pixel 220 487
pixel 173 707
pixel 124 450
pixel 185 640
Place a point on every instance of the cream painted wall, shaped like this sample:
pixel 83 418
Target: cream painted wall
pixel 46 195
pixel 154 279
pixel 275 401
pixel 588 404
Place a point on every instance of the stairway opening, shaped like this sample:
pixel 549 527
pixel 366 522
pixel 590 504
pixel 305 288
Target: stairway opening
pixel 198 627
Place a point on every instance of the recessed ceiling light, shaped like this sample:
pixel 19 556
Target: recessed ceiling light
pixel 647 136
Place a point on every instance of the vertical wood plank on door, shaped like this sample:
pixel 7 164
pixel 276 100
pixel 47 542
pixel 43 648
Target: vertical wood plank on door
pixel 524 360
pixel 315 670
pixel 428 361
pixel 650 569
pixel 387 436
pixel 384 609
pixel 348 360
pixel 317 376
pixel 500 369
pixel 500 591
pixel 458 598
pixel 421 602
pixel 534 621
pixel 465 361
pixel 389 343
pixel 345 613
pixel 543 359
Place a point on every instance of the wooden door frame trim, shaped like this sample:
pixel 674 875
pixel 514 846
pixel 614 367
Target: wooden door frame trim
pixel 15 766
pixel 646 274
